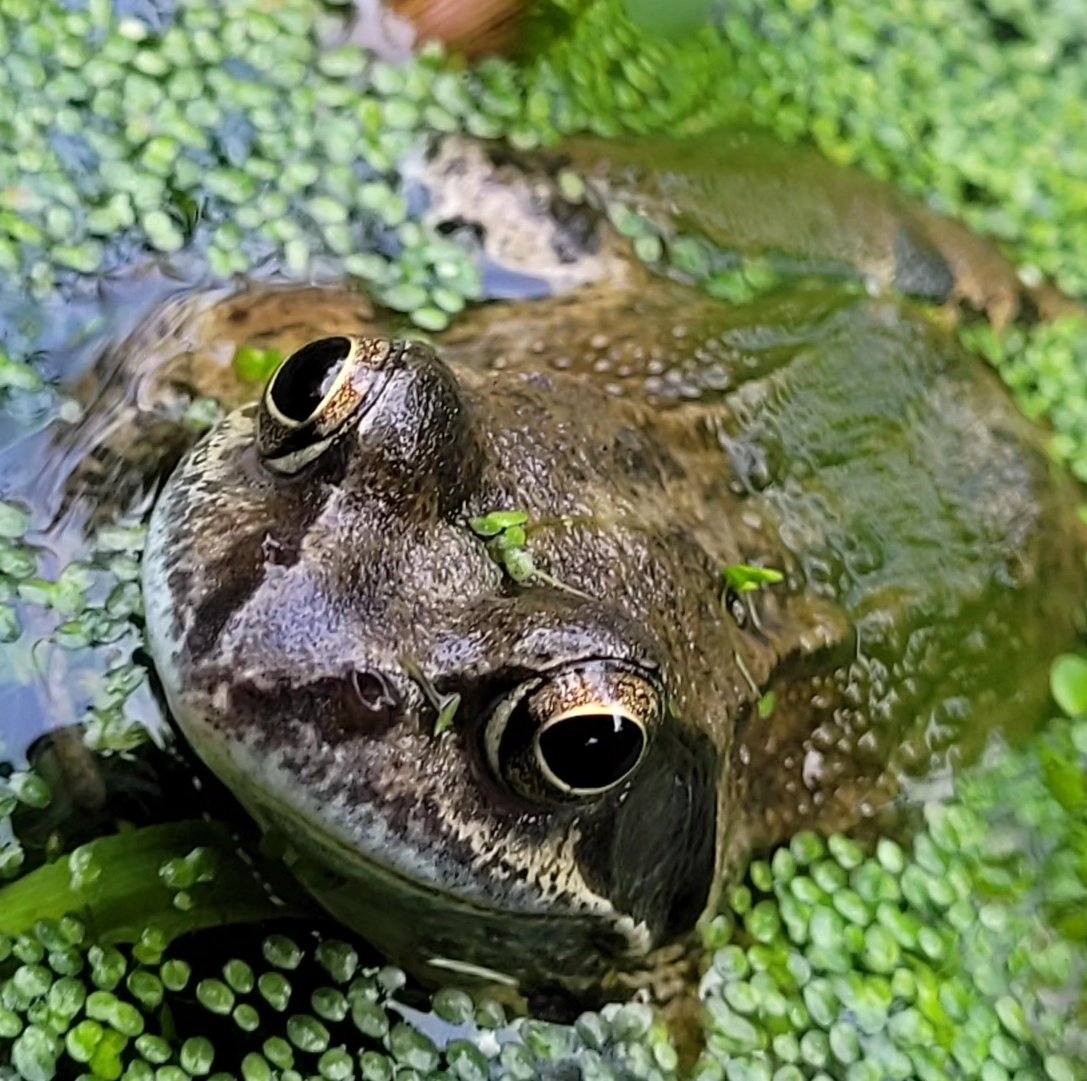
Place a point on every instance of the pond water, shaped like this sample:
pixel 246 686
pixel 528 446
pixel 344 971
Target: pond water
pixel 168 155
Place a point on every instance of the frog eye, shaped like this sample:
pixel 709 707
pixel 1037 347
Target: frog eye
pixel 311 396
pixel 573 735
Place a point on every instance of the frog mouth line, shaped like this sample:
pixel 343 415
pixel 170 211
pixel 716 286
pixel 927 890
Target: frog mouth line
pixel 317 851
pixel 383 904
pixel 350 863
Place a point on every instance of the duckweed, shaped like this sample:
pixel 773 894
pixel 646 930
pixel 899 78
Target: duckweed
pixel 922 959
pixel 870 88
pixel 339 959
pixel 254 365
pixel 506 535
pixel 834 956
pixel 91 603
pixel 214 146
pixel 275 989
pixel 746 579
pixel 1042 365
pixel 239 975
pixel 942 979
pixel 21 789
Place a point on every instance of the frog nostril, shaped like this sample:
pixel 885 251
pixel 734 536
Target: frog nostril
pixel 304 379
pixel 376 698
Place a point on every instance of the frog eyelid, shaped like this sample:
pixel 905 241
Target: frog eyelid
pixel 293 462
pixel 499 717
pixel 637 665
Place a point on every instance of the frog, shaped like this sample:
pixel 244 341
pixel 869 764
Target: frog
pixel 524 637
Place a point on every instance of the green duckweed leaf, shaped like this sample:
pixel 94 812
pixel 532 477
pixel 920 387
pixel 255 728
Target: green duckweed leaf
pixel 253 365
pixel 745 578
pixel 1068 683
pixel 490 525
pixel 446 714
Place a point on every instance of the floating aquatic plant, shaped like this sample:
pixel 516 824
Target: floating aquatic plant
pixel 507 541
pixel 957 952
pixel 744 578
pixel 223 133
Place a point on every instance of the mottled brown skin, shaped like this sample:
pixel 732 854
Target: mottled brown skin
pixel 304 623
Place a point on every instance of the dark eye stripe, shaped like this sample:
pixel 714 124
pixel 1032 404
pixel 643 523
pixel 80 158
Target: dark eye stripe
pixel 355 704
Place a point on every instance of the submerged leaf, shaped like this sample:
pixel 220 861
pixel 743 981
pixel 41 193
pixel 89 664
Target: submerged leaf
pixel 1068 683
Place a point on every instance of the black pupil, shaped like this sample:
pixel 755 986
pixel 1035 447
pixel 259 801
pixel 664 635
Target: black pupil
pixel 302 382
pixel 592 750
